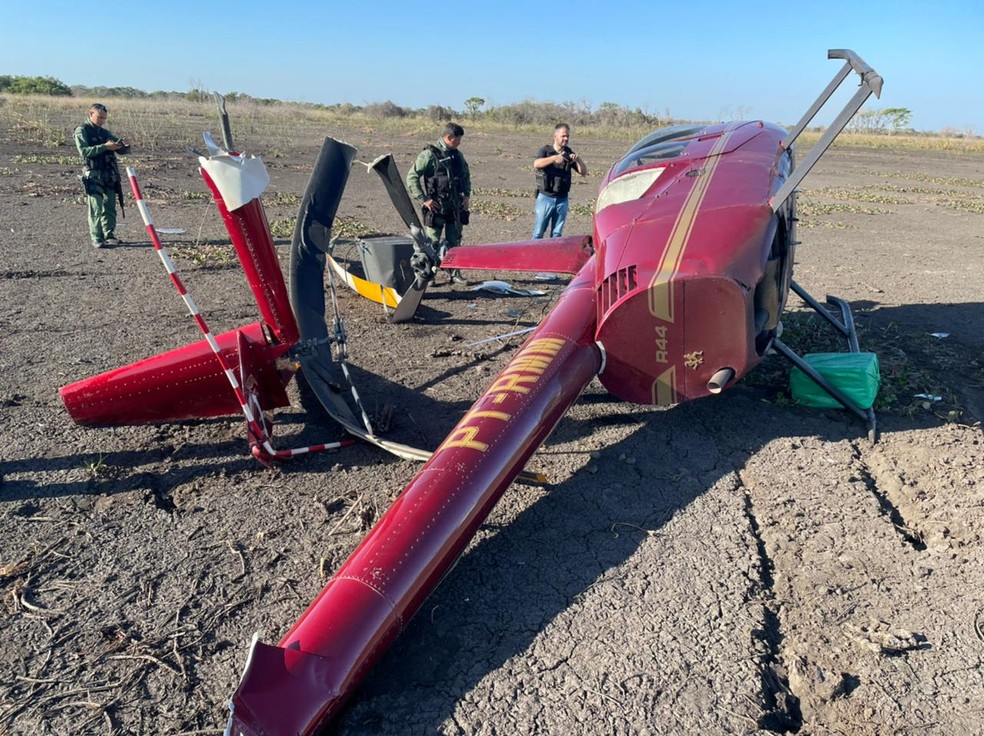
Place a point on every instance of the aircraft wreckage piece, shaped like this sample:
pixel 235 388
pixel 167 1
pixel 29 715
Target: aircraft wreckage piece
pixel 257 428
pixel 426 257
pixel 243 370
pixel 189 382
pixel 298 685
pixel 379 293
pixel 247 370
pixel 310 245
pixel 694 237
pixel 677 294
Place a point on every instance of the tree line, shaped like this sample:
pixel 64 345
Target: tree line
pixel 527 112
pixel 34 86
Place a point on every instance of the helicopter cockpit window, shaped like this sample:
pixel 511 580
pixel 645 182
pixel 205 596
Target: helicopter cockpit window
pixel 672 132
pixel 660 145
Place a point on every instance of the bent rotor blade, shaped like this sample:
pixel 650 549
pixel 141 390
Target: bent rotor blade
pixel 385 295
pixel 385 166
pixel 330 396
pixel 312 237
pixel 319 373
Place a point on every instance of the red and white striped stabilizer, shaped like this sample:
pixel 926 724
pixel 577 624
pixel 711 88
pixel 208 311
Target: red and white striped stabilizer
pixel 257 428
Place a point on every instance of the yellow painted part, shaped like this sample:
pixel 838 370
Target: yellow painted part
pixel 665 388
pixel 369 289
pixel 661 289
pixel 378 293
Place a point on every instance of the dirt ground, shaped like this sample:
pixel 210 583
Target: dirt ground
pixel 734 565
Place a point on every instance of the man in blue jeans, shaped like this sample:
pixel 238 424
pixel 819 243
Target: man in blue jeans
pixel 552 166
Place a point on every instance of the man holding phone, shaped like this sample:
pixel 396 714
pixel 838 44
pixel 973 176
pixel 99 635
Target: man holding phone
pixel 552 167
pixel 100 174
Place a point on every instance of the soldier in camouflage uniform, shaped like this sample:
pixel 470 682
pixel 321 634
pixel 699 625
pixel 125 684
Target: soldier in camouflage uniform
pixel 441 182
pixel 100 175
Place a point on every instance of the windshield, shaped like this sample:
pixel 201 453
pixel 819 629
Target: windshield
pixel 660 145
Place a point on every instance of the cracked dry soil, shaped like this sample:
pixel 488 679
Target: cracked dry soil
pixel 734 565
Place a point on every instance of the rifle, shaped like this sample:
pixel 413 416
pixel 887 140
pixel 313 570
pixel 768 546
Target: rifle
pixel 117 180
pixel 118 186
pixel 119 196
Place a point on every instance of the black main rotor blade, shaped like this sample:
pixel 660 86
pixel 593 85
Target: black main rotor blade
pixel 312 237
pixel 306 287
pixel 385 166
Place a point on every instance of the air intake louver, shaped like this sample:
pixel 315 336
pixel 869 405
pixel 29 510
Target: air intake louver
pixel 616 286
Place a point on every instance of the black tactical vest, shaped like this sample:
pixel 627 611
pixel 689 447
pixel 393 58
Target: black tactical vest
pixel 105 161
pixel 555 180
pixel 444 185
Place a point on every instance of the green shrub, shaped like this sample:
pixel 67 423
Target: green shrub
pixel 34 86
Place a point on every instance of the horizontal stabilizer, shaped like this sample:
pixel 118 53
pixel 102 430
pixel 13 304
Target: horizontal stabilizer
pixel 186 383
pixel 556 255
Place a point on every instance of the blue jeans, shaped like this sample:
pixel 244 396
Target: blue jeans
pixel 549 209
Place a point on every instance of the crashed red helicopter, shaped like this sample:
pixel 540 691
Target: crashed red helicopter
pixel 678 292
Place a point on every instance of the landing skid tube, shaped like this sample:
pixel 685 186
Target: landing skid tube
pixel 845 326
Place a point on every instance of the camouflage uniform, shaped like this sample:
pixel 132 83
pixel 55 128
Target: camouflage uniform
pixel 428 169
pixel 101 178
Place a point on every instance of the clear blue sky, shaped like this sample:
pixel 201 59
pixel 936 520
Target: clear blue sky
pixel 706 60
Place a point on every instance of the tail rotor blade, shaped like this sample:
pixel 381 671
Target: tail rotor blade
pixel 385 166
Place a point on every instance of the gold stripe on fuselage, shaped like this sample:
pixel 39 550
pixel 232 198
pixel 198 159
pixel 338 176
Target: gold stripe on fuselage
pixel 665 388
pixel 661 287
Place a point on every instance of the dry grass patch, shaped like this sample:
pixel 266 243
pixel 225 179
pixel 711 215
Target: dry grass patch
pixel 863 194
pixel 496 210
pixel 807 207
pixel 497 192
pixel 156 123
